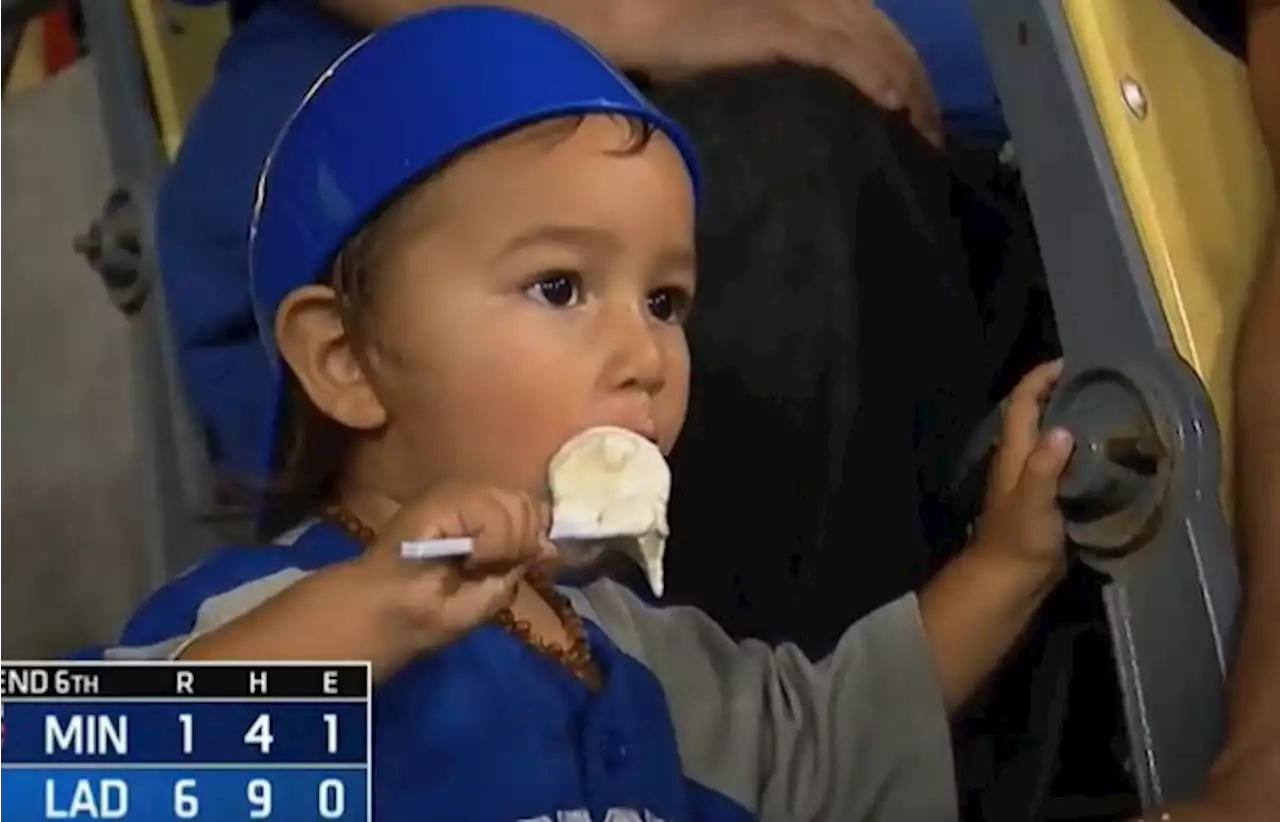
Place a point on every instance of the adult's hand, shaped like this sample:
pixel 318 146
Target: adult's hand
pixel 852 38
pixel 1245 794
pixel 672 38
pixel 1242 788
pixel 1245 783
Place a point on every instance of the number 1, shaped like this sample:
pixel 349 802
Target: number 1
pixel 331 731
pixel 187 732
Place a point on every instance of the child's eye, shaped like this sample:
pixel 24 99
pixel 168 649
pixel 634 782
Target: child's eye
pixel 558 289
pixel 669 305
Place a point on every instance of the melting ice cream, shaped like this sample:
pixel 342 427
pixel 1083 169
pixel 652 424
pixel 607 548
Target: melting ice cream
pixel 610 487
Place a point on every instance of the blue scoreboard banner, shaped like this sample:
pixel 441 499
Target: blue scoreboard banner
pixel 153 742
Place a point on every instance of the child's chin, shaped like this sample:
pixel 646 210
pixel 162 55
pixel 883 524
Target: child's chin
pixel 581 567
pixel 577 560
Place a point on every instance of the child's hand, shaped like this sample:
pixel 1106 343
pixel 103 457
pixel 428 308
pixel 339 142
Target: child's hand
pixel 976 607
pixel 433 602
pixel 1021 517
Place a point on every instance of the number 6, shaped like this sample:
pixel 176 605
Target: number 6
pixel 185 805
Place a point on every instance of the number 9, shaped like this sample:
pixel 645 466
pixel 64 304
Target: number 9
pixel 259 793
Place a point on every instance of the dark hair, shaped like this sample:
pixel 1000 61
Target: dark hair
pixel 309 447
pixel 312 449
pixel 838 332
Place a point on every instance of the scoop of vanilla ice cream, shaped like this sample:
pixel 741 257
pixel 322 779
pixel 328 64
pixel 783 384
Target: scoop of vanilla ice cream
pixel 611 485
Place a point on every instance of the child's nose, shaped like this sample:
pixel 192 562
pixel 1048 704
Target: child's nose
pixel 636 357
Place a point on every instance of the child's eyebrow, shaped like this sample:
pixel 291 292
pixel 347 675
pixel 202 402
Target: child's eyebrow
pixel 582 236
pixel 592 239
pixel 679 259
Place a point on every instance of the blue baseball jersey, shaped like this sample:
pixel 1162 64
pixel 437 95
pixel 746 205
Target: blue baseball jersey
pixel 688 724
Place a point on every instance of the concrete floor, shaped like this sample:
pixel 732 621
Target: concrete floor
pixel 73 564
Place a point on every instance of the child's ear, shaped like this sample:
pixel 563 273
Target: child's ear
pixel 316 346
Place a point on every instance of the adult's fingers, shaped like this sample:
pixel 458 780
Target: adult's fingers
pixel 854 45
pixel 921 102
pixel 879 59
pixel 857 42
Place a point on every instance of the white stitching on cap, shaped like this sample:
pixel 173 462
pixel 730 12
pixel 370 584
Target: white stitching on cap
pixel 260 192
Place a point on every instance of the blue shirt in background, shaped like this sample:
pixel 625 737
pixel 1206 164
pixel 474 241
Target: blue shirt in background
pixel 945 35
pixel 203 214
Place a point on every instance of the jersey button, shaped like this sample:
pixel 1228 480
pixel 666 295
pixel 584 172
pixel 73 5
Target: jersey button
pixel 615 751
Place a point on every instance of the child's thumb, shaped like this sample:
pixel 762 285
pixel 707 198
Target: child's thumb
pixel 1044 467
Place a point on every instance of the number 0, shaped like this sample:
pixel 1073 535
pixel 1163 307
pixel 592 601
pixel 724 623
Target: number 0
pixel 333 799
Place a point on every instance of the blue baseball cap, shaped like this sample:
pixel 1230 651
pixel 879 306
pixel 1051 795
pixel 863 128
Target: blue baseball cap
pixel 400 104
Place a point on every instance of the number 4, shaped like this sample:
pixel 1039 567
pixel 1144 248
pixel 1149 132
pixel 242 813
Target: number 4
pixel 259 734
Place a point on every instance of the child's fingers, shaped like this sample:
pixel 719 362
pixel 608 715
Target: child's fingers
pixel 1022 408
pixel 1044 467
pixel 506 529
pixel 1020 432
pixel 478 599
pixel 1039 381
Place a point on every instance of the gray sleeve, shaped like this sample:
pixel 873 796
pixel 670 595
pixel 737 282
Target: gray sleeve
pixel 203 599
pixel 861 736
pixel 208 615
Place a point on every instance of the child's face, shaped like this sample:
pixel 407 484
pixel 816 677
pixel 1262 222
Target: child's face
pixel 534 289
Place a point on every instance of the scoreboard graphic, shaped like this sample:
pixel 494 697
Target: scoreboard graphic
pixel 170 741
